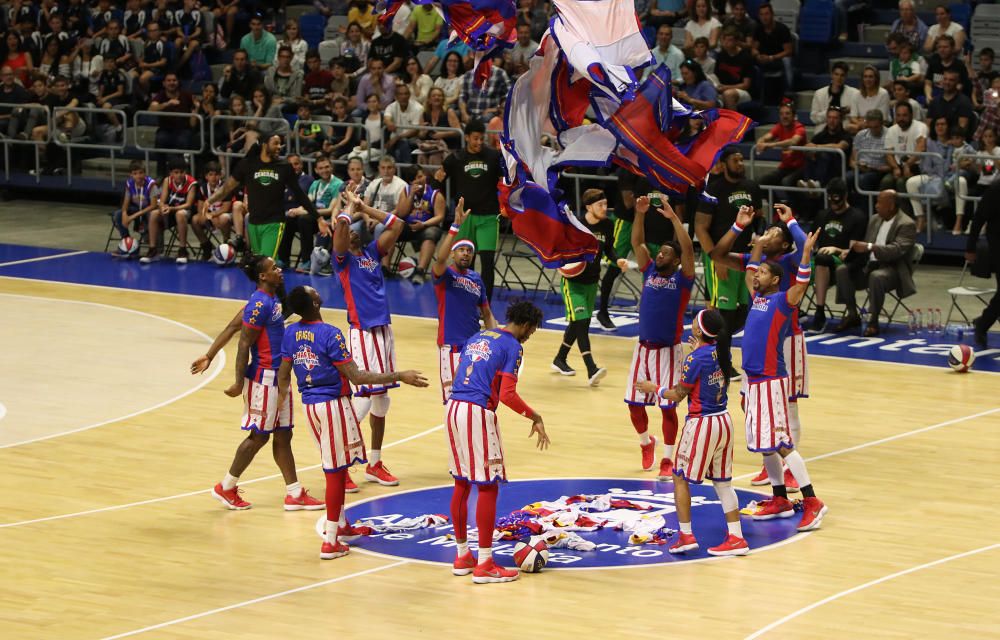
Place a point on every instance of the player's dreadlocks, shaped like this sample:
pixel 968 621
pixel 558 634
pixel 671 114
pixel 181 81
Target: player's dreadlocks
pixel 524 313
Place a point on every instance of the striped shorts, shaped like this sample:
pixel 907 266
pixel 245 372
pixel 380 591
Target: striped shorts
pixel 705 449
pixel 335 427
pixel 766 408
pixel 662 366
pixel 448 357
pixel 474 442
pixel 261 412
pixel 795 361
pixel 373 350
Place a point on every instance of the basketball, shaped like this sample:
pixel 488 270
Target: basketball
pixel 320 258
pixel 572 269
pixel 961 357
pixel 224 254
pixel 128 246
pixel 531 556
pixel 406 266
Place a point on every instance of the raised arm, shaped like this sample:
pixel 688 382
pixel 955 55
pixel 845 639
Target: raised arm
pixel 638 238
pixel 798 290
pixel 441 261
pixel 798 235
pixel 342 225
pixel 683 239
pixel 230 330
pixel 755 254
pixel 720 253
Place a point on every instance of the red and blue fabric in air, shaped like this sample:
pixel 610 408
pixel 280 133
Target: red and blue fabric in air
pixel 460 296
pixel 768 324
pixel 703 377
pixel 364 287
pixel 487 358
pixel 549 229
pixel 661 307
pixel 262 314
pixel 315 349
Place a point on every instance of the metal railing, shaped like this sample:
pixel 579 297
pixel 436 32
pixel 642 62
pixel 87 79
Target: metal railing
pixel 9 142
pixel 903 194
pixel 327 125
pixel 69 144
pixel 386 134
pixel 771 188
pixel 281 127
pixel 156 115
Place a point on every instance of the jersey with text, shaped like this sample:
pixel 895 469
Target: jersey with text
pixel 364 287
pixel 422 208
pixel 315 349
pixel 487 356
pixel 263 313
pixel 460 296
pixel 768 324
pixel 177 193
pixel 703 377
pixel 661 306
pixel 789 266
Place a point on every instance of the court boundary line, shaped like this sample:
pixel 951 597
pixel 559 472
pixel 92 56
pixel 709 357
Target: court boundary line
pixel 218 365
pixel 68 254
pixel 871 583
pixel 245 603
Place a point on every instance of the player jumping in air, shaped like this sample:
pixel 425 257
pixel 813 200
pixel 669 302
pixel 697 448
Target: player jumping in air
pixel 485 376
pixel 659 354
pixel 318 354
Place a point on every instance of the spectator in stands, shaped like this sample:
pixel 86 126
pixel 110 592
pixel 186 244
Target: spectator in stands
pixel 207 106
pixel 316 83
pixel 987 167
pixel 944 27
pixel 516 58
pixel 424 29
pixel 99 19
pixel 822 167
pixel 666 53
pixel 451 79
pixel 38 96
pixel 942 172
pixel 267 120
pixel 355 48
pixel 773 46
pixel 400 116
pixel 434 144
pixel 217 216
pixel 696 90
pixel 788 132
pixel 293 210
pixel 340 83
pixel 377 83
pixel 982 78
pixel 838 226
pixel 189 32
pixel 163 14
pixel 666 12
pixel 241 133
pixel 11 93
pixel 387 193
pixel 952 105
pixel 176 206
pixel 881 262
pixel 111 93
pixel 389 47
pixel 115 45
pixel 239 77
pixel 702 25
pixel 261 46
pixel 139 200
pixel 908 24
pixel 419 82
pixel 402 18
pixel 738 18
pixel 283 81
pixel 870 96
pixel 49 63
pixel 341 139
pixel 907 66
pixel 362 13
pixel 294 41
pixel 423 210
pixel 903 137
pixel 374 129
pixel 901 93
pixel 227 9
pixel 705 61
pixel 153 63
pixel 537 14
pixel 734 69
pixel 17 58
pixel 172 132
pixel 309 133
pixel 482 105
pixel 868 158
pixel 444 48
pixel 324 192
pixel 945 60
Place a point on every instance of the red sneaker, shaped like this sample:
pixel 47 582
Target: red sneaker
pixel 812 515
pixel 304 502
pixel 349 486
pixel 790 484
pixel 731 546
pixel 231 498
pixel 350 533
pixel 761 478
pixel 774 508
pixel 330 551
pixel 380 474
pixel 666 470
pixel 648 452
pixel 489 571
pixel 463 565
pixel 685 542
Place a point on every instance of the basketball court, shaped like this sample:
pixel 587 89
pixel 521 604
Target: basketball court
pixel 109 448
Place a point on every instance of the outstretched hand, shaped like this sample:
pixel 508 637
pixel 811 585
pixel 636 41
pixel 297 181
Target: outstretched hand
pixel 642 204
pixel 784 212
pixel 744 216
pixel 201 364
pixel 413 378
pixel 538 427
pixel 461 213
pixel 667 211
pixel 811 241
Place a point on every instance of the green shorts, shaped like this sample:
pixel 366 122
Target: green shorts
pixel 265 238
pixel 623 240
pixel 484 231
pixel 725 294
pixel 579 299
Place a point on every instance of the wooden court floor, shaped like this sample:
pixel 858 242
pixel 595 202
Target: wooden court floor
pixel 109 531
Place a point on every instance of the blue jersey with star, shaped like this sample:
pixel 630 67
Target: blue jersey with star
pixel 315 349
pixel 262 314
pixel 768 324
pixel 487 357
pixel 364 287
pixel 661 306
pixel 460 296
pixel 705 382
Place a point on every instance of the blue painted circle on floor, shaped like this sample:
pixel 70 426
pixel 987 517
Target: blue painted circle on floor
pixel 435 545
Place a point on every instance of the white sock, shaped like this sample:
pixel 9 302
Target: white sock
pixel 294 489
pixel 485 555
pixel 735 529
pixel 374 456
pixel 229 482
pixel 668 451
pixel 794 424
pixel 463 548
pixel 798 468
pixel 644 438
pixel 774 471
pixel 342 522
pixel 686 527
pixel 330 534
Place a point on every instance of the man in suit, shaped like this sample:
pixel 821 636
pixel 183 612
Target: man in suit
pixel 988 213
pixel 882 260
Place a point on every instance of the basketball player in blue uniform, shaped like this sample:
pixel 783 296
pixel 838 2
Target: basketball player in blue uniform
pixel 318 354
pixel 359 271
pixel 658 355
pixel 461 298
pixel 486 376
pixel 261 326
pixel 766 397
pixel 706 447
pixel 781 243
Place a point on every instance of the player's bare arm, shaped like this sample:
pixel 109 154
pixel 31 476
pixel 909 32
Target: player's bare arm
pixel 444 249
pixel 230 185
pixel 284 381
pixel 489 320
pixel 677 394
pixel 248 335
pixel 359 376
pixel 798 290
pixel 683 239
pixel 755 255
pixel 221 340
pixel 638 237
pixel 720 252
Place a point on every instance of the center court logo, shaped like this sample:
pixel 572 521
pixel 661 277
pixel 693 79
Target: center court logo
pixel 437 544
